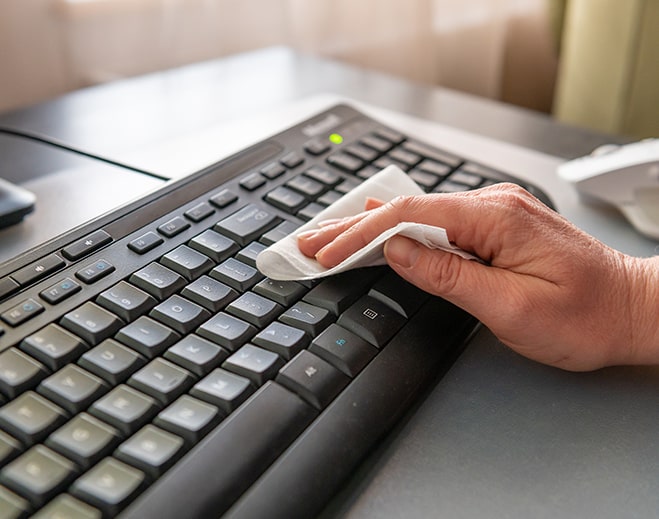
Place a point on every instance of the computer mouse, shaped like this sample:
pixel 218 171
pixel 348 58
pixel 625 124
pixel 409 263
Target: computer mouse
pixel 625 176
pixel 15 203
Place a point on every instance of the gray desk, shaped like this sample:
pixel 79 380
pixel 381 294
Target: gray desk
pixel 498 436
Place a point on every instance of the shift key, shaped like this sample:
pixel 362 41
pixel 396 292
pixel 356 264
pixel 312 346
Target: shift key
pixel 247 224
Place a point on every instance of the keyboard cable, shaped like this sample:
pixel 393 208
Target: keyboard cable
pixel 42 139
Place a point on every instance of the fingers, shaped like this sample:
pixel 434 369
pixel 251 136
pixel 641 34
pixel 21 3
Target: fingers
pixel 310 242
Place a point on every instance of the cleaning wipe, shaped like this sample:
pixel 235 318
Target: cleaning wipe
pixel 284 261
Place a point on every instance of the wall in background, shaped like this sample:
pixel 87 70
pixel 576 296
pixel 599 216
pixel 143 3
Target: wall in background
pixel 501 49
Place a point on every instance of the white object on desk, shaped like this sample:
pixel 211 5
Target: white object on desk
pixel 625 176
pixel 284 261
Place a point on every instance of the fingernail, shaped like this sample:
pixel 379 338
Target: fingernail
pixel 401 251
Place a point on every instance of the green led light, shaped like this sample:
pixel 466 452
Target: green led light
pixel 335 138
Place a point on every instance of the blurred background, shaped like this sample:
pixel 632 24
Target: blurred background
pixel 591 63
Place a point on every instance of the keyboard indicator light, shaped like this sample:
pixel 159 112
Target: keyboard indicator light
pixel 335 138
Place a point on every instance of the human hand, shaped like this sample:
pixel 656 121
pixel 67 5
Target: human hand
pixel 547 289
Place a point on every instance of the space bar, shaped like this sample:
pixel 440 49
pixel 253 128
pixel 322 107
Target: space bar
pixel 207 481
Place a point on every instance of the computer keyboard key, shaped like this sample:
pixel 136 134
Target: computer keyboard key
pixel 112 361
pixel 236 274
pixel 109 486
pixel 180 314
pixel 210 293
pixel 282 339
pixel 278 233
pixel 273 170
pixel 227 331
pixel 60 291
pixel 13 506
pixel 310 211
pixel 314 379
pixel 255 309
pixel 437 169
pixel 91 322
pixel 72 388
pixel 143 244
pixel 19 372
pixel 347 185
pixel 223 198
pixel 432 153
pixel 173 227
pixel 147 336
pixel 309 187
pixel 346 162
pixel 286 199
pixel 257 364
pixel 84 440
pixel 249 253
pixel 95 271
pixel 312 319
pixel 30 417
pixel 389 134
pixel 199 212
pixel 86 245
pixel 214 245
pixel 329 197
pixel 405 157
pixel 189 418
pixel 188 262
pixel 362 152
pixel 223 389
pixel 22 312
pixel 448 186
pixel 157 280
pixel 196 354
pixel 66 506
pixel 283 292
pixel 323 175
pixel 268 422
pixel 247 224
pixel 162 380
pixel 151 450
pixel 9 448
pixel 336 293
pixel 464 177
pixel 125 408
pixel 39 269
pixel 372 320
pixel 292 160
pixel 8 286
pixel 53 346
pixel 252 181
pixel 426 180
pixel 377 143
pixel 343 349
pixel 398 294
pixel 38 474
pixel 126 301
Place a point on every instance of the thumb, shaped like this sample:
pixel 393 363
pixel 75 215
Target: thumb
pixel 475 287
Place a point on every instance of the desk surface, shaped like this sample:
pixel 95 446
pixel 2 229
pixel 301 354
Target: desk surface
pixel 498 435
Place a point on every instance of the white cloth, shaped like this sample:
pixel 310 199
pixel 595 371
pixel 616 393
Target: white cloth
pixel 284 261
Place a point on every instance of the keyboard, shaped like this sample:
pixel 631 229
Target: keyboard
pixel 148 369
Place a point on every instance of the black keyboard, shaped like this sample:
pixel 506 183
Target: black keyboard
pixel 149 370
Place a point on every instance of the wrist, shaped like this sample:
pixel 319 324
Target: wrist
pixel 643 290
